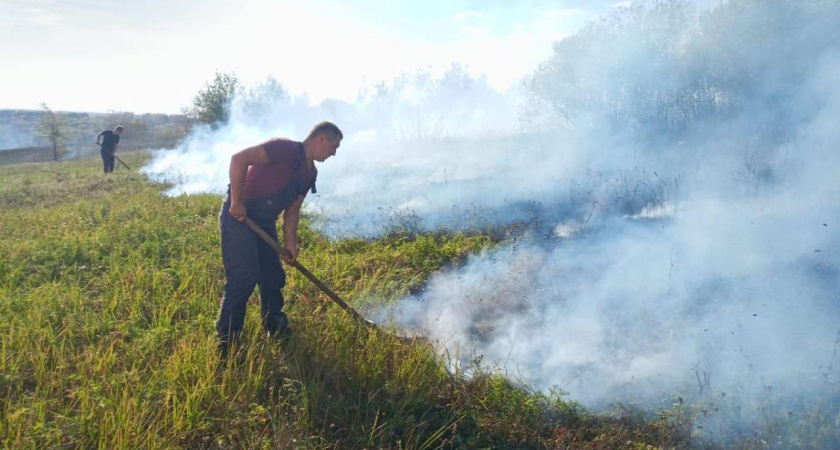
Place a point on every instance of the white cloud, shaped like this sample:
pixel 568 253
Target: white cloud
pixel 41 16
pixel 156 65
pixel 561 14
pixel 469 15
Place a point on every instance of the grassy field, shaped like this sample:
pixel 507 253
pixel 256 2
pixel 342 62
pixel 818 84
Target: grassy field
pixel 108 295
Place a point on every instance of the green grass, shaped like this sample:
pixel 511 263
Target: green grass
pixel 108 295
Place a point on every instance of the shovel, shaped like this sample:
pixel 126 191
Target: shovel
pixel 332 295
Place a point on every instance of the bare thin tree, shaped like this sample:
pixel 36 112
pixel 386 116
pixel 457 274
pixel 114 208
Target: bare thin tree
pixel 51 128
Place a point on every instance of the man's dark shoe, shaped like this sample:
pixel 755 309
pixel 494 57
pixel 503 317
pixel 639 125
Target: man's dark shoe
pixel 235 359
pixel 281 335
pixel 230 349
pixel 281 330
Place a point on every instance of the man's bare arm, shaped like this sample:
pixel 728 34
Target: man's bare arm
pixel 291 218
pixel 239 163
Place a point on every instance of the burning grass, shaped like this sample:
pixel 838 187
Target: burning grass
pixel 108 293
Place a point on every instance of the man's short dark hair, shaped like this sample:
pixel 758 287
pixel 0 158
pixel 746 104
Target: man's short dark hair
pixel 326 128
pixel 118 128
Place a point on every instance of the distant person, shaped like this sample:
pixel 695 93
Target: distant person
pixel 108 141
pixel 265 180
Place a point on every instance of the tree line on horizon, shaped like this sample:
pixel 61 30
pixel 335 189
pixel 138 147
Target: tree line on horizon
pixel 46 134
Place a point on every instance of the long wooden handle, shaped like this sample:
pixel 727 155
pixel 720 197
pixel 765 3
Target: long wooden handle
pixel 121 162
pixel 282 252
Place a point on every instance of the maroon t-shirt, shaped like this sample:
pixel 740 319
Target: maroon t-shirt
pixel 265 179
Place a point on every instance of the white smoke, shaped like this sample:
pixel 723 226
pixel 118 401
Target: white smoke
pixel 685 210
pixel 729 285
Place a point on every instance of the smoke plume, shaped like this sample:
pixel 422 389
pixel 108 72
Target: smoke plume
pixel 677 171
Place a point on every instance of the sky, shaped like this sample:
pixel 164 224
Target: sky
pixel 154 55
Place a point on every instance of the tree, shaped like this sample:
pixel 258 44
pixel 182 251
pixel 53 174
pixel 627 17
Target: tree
pixel 51 128
pixel 266 103
pixel 664 69
pixel 212 104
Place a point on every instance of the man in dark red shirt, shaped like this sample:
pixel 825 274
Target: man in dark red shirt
pixel 265 180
